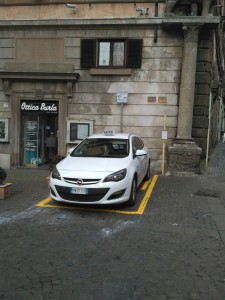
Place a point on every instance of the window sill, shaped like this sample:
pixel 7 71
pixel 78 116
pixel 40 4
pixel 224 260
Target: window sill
pixel 121 72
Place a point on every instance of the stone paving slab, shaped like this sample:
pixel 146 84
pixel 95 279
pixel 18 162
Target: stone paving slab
pixel 174 251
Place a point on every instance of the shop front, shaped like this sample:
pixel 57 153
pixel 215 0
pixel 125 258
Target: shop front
pixel 35 115
pixel 39 132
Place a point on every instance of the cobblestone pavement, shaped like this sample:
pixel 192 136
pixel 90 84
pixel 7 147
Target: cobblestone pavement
pixel 174 250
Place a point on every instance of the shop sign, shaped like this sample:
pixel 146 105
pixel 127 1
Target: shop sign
pixel 41 107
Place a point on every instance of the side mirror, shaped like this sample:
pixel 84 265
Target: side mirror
pixel 140 153
pixel 70 151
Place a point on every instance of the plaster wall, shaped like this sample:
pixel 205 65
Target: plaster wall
pixel 83 11
pixel 152 89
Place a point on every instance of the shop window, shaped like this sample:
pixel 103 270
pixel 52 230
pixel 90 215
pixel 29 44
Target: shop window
pixel 4 130
pixel 78 130
pixel 111 53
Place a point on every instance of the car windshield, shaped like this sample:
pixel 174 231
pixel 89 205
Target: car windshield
pixel 101 147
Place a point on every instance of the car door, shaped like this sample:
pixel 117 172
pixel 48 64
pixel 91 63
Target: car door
pixel 143 158
pixel 139 161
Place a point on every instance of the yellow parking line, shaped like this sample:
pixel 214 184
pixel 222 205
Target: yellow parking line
pixel 145 185
pixel 44 202
pixel 147 195
pixel 140 211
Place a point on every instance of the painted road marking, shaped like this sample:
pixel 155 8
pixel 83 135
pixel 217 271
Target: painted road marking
pixel 140 211
pixel 145 185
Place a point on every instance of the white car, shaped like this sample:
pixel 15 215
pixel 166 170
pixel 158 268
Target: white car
pixel 103 169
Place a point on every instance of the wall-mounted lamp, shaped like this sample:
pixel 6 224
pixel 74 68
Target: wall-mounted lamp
pixel 140 10
pixel 72 6
pixel 69 5
pixel 143 11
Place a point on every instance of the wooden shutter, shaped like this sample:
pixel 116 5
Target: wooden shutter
pixel 88 54
pixel 134 53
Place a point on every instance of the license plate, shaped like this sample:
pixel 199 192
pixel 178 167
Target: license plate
pixel 75 190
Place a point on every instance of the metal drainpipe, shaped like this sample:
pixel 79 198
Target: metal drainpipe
pixel 156 26
pixel 209 129
pixel 220 117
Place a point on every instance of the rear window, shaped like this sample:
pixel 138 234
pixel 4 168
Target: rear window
pixel 102 148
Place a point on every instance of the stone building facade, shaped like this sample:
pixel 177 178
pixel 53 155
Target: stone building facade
pixel 69 70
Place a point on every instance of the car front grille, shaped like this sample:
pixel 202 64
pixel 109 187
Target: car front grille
pixel 82 181
pixel 94 195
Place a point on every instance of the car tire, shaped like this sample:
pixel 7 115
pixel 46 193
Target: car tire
pixel 148 173
pixel 133 193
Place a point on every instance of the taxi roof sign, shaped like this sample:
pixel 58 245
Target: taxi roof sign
pixel 108 132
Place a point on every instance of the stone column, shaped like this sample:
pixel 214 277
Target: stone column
pixel 184 154
pixel 187 86
pixel 169 6
pixel 206 6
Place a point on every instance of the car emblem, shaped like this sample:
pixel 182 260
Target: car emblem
pixel 79 181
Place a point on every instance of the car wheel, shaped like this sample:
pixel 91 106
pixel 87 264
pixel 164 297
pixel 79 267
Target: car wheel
pixel 133 192
pixel 148 173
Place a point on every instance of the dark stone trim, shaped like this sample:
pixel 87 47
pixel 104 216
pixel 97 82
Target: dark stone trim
pixel 18 76
pixel 9 77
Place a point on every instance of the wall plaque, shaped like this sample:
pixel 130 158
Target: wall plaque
pixel 152 99
pixel 162 100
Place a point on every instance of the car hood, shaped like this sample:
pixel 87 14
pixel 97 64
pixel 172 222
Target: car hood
pixel 92 164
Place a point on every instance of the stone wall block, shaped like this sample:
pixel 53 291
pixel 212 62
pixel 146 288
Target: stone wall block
pixel 7 53
pixel 202 89
pixel 202 142
pixel 203 77
pixel 204 55
pixel 199 133
pixel 200 122
pixel 205 44
pixel 201 111
pixel 204 67
pixel 161 64
pixel 202 100
pixel 206 35
pixel 162 52
pixel 7 43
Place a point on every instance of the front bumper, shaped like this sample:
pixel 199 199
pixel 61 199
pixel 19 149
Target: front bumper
pixel 101 193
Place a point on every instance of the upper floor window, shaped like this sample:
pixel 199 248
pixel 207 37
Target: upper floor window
pixel 111 53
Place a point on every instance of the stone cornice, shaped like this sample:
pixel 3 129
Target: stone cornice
pixel 178 21
pixel 206 21
pixel 47 2
pixel 19 76
pixel 9 77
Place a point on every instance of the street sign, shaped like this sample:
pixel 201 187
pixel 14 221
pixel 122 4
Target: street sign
pixel 122 97
pixel 164 135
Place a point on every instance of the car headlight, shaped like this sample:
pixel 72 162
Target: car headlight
pixel 55 174
pixel 117 176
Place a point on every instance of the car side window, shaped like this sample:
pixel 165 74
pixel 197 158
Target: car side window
pixel 140 143
pixel 137 144
pixel 134 145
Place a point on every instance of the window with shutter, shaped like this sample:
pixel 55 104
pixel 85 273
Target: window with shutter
pixel 111 53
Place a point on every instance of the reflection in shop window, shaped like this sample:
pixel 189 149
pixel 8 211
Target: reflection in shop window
pixel 78 130
pixel 4 130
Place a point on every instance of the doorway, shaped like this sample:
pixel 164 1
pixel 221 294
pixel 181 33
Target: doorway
pixel 39 137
